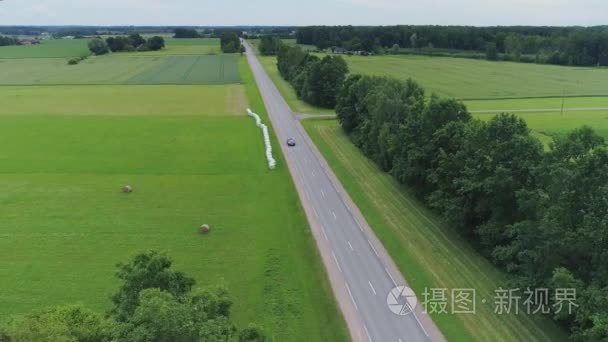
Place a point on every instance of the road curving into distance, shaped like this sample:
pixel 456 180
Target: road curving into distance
pixel 360 270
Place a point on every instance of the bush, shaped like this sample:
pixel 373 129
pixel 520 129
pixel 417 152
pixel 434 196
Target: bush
pixel 98 46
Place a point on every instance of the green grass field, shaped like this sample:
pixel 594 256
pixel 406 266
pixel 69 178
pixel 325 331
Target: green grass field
pixel 48 48
pixel 123 100
pixel 121 69
pixel 176 47
pixel 191 158
pixel 473 79
pixel 112 69
pixel 428 254
pixel 214 69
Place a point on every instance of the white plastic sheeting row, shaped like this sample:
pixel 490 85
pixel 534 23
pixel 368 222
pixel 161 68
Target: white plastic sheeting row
pixel 272 163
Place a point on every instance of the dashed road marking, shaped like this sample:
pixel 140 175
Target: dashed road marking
pixel 351 296
pixel 372 246
pixel 322 194
pixel 351 246
pixel 335 217
pixel 324 233
pixel 316 214
pixel 336 260
pixel 367 333
pixel 372 286
pixel 390 276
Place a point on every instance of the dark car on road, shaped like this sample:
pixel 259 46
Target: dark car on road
pixel 291 142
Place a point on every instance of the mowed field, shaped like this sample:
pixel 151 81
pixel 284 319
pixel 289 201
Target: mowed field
pixel 47 49
pixel 192 157
pixel 477 79
pixel 428 254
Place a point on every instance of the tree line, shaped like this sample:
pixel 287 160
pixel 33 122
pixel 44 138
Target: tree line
pixel 269 45
pixel 153 303
pixel 541 216
pixel 5 41
pixel 230 42
pixel 315 80
pixel 553 45
pixel 133 42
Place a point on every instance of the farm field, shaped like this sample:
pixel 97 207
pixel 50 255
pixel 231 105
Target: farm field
pixel 208 100
pixel 198 46
pixel 477 79
pixel 426 252
pixel 213 69
pixel 121 69
pixel 47 49
pixel 192 157
pixel 110 69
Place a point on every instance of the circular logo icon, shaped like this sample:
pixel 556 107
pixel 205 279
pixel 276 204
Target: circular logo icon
pixel 401 300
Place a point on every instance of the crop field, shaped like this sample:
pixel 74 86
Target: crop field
pixel 95 70
pixel 176 47
pixel 208 100
pixel 214 69
pixel 428 254
pixel 47 49
pixel 477 79
pixel 192 157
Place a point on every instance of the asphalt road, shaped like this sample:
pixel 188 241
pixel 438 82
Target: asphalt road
pixel 360 271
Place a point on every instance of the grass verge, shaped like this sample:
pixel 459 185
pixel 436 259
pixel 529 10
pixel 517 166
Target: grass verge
pixel 427 253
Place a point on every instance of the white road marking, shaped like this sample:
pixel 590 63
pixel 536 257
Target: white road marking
pixel 373 249
pixel 367 333
pixel 316 214
pixel 372 286
pixel 313 173
pixel 325 234
pixel 351 296
pixel 322 194
pixel 335 217
pixel 336 260
pixel 390 276
pixel 416 317
pixel 400 340
pixel 351 246
pixel 358 224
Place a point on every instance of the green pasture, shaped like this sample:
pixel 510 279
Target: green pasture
pixel 213 69
pixel 48 48
pixel 472 79
pixel 191 159
pixel 95 70
pixel 426 251
pixel 205 100
pixel 176 47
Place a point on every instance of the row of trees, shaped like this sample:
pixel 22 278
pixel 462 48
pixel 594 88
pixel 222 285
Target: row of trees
pixel 5 41
pixel 269 45
pixel 542 216
pixel 554 45
pixel 230 42
pixel 316 81
pixel 133 42
pixel 153 303
pixel 186 33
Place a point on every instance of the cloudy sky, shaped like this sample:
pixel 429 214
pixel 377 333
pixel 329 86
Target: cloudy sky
pixel 292 12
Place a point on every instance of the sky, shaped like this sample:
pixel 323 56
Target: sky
pixel 307 12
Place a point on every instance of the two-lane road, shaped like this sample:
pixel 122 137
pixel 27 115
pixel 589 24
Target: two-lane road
pixel 360 271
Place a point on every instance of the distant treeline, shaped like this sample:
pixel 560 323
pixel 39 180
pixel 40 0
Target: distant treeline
pixel 5 41
pixel 554 45
pixel 315 80
pixel 541 216
pixel 133 42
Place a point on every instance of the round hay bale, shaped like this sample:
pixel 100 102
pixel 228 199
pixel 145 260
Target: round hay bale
pixel 127 189
pixel 205 229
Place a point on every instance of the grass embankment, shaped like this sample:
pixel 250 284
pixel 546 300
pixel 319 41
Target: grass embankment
pixel 428 254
